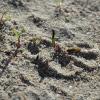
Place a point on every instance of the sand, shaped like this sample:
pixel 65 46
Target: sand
pixel 38 71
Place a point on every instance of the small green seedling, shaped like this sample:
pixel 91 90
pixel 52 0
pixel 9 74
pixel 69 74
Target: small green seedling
pixel 17 34
pixel 53 38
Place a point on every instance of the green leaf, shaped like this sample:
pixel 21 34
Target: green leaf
pixel 17 33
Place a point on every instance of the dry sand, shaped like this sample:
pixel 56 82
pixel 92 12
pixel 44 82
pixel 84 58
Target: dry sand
pixel 38 73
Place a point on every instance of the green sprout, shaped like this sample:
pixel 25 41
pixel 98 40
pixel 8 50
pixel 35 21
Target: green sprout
pixel 53 38
pixel 17 34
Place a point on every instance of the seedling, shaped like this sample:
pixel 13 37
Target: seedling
pixel 53 38
pixel 56 46
pixel 17 34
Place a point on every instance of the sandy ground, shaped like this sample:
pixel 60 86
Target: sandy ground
pixel 38 72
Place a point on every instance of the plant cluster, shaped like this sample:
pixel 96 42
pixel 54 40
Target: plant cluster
pixel 17 33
